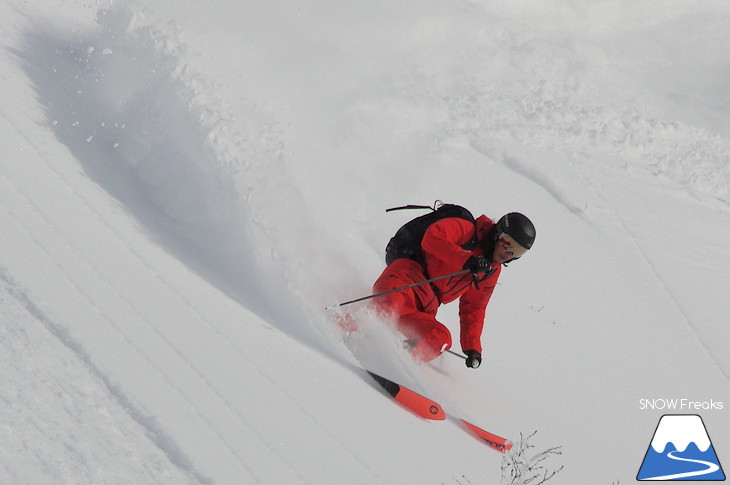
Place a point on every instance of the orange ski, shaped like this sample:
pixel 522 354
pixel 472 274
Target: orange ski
pixel 497 442
pixel 418 404
pixel 428 409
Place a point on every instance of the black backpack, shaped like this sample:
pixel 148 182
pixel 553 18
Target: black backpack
pixel 407 241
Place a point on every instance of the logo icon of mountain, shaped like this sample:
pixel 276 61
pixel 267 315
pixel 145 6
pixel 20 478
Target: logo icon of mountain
pixel 681 450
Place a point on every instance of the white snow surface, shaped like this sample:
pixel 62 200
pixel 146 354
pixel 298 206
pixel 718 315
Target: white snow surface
pixel 186 184
pixel 681 430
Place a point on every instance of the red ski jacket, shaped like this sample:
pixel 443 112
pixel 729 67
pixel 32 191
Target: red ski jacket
pixel 441 245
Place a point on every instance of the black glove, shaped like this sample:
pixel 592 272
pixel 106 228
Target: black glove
pixel 477 265
pixel 473 359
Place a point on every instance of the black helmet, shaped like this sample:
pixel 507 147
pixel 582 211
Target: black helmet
pixel 517 226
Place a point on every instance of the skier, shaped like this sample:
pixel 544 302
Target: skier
pixel 448 245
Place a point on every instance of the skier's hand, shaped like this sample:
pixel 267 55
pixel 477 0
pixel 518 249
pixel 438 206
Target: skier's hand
pixel 476 265
pixel 473 359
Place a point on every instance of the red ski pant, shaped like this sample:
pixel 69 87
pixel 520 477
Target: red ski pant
pixel 414 309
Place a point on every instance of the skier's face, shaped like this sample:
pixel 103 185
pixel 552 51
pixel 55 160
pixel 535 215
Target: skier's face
pixel 506 249
pixel 501 254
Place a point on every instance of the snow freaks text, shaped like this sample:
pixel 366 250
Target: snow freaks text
pixel 679 404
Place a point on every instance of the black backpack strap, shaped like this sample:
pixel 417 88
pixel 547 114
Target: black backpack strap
pixel 409 206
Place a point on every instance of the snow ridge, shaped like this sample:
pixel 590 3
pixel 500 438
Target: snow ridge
pixel 152 430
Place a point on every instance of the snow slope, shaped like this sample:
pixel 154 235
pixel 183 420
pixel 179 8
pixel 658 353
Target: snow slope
pixel 186 185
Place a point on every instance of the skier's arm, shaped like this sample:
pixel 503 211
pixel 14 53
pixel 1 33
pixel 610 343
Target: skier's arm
pixel 472 311
pixel 444 238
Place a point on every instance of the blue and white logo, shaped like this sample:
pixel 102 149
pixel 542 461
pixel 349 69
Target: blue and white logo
pixel 681 450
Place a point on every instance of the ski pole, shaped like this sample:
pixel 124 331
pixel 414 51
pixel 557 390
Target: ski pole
pixel 431 280
pixel 473 363
pixel 456 354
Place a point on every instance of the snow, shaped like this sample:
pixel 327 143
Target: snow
pixel 186 185
pixel 681 431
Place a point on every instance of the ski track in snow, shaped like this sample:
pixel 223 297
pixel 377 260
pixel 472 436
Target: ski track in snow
pixel 538 178
pixel 41 418
pixel 672 297
pixel 161 439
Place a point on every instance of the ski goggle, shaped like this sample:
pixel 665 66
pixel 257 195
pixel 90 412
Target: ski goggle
pixel 509 244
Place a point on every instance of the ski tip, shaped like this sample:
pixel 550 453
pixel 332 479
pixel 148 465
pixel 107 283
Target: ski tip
pixel 497 442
